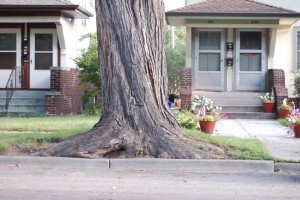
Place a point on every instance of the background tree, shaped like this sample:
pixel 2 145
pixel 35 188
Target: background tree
pixel 175 57
pixel 135 119
pixel 90 81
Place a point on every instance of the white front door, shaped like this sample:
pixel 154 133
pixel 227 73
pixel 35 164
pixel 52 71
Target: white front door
pixel 250 62
pixel 10 55
pixel 43 55
pixel 209 70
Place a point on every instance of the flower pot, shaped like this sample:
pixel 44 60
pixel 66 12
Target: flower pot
pixel 268 107
pixel 207 127
pixel 177 104
pixel 297 131
pixel 283 113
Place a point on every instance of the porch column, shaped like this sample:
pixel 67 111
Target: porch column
pixel 229 72
pixel 272 42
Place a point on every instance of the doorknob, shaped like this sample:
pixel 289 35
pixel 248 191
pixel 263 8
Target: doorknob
pixel 30 61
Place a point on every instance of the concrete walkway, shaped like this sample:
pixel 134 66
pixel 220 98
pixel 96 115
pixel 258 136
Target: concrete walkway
pixel 275 137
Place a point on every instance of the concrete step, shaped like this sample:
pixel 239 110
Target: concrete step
pixel 23 101
pixel 241 108
pixel 20 93
pixel 234 95
pixel 236 102
pixel 251 115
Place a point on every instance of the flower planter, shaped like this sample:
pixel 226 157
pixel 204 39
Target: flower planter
pixel 268 107
pixel 207 127
pixel 297 131
pixel 283 113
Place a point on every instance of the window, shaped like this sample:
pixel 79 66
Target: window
pixel 8 50
pixel 298 50
pixel 251 40
pixel 43 51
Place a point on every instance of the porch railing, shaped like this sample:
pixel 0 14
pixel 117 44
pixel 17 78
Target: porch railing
pixel 11 86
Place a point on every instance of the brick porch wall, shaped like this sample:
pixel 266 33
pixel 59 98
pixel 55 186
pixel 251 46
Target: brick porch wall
pixel 64 97
pixel 277 83
pixel 186 88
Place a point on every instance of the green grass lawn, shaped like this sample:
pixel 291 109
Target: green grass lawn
pixel 31 132
pixel 42 130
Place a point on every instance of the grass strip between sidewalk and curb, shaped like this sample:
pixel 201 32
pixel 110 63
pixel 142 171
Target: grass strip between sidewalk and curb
pixel 40 131
pixel 251 149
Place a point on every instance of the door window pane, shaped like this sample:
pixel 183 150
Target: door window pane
pixel 43 42
pixel 250 62
pixel 209 40
pixel 209 62
pixel 7 60
pixel 8 41
pixel 43 61
pixel 251 40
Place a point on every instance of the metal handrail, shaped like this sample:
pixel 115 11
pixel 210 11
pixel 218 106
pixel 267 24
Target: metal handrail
pixel 11 86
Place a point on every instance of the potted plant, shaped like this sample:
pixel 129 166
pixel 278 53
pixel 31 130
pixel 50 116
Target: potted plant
pixel 284 110
pixel 209 114
pixel 268 102
pixel 294 122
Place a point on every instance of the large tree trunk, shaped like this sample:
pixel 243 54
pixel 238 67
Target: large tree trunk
pixel 135 120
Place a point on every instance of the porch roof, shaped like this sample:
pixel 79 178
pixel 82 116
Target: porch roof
pixel 70 10
pixel 230 9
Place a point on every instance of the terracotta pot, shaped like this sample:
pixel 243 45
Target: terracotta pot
pixel 283 113
pixel 268 107
pixel 297 131
pixel 207 127
pixel 177 104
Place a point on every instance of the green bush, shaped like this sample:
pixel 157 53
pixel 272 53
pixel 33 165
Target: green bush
pixel 186 119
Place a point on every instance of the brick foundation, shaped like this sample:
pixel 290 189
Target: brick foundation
pixel 277 83
pixel 64 97
pixel 186 88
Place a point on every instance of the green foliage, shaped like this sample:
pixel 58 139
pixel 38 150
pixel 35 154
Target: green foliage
pixel 297 84
pixel 175 58
pixel 186 119
pixel 208 118
pixel 284 122
pixel 90 81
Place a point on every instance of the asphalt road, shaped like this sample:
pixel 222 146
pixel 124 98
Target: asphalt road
pixel 35 182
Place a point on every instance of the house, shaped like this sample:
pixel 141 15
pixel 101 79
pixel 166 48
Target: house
pixel 38 42
pixel 239 46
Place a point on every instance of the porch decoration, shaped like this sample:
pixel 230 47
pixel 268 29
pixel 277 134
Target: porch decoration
pixel 284 110
pixel 209 114
pixel 268 102
pixel 294 122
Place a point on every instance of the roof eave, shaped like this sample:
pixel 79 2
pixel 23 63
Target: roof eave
pixel 189 14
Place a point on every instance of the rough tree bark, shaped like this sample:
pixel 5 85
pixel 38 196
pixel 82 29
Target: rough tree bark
pixel 135 120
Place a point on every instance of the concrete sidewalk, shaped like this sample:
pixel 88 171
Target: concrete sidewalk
pixel 274 136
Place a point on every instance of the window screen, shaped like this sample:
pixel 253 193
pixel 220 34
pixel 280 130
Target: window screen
pixel 209 61
pixel 8 50
pixel 209 40
pixel 298 50
pixel 251 40
pixel 250 62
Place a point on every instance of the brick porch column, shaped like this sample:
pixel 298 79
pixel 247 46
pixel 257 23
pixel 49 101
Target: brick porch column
pixel 277 83
pixel 186 88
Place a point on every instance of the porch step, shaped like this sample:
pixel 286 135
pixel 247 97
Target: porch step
pixel 23 103
pixel 251 115
pixel 238 105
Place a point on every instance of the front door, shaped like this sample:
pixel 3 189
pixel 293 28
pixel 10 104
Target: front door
pixel 43 55
pixel 250 66
pixel 209 70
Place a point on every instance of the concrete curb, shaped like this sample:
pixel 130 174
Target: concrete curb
pixel 293 168
pixel 146 164
pixel 54 162
pixel 193 165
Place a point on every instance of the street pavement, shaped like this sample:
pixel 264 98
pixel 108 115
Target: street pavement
pixel 274 136
pixel 64 178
